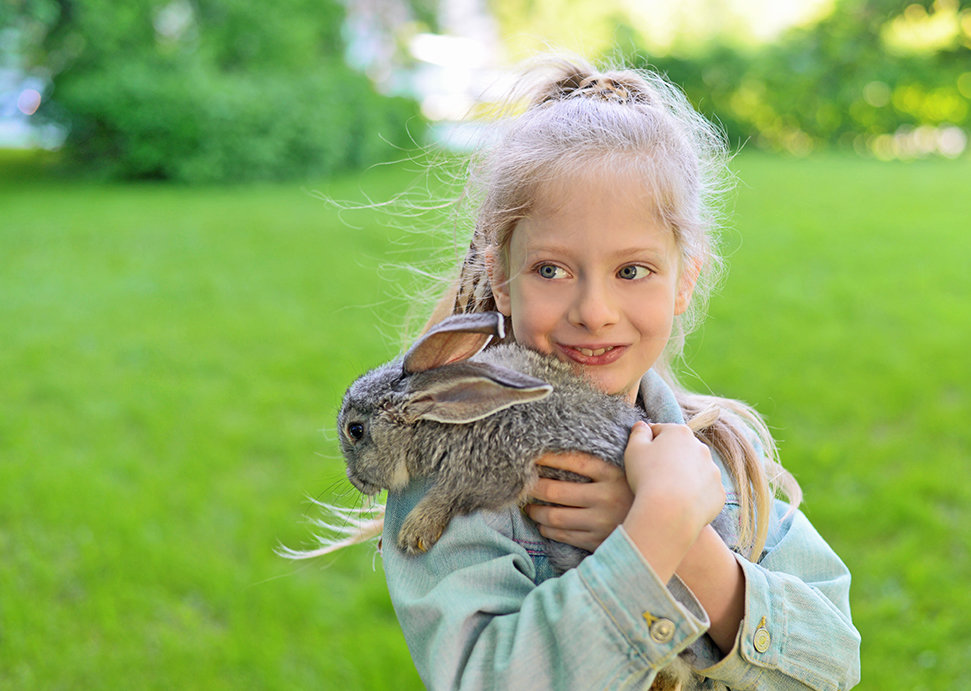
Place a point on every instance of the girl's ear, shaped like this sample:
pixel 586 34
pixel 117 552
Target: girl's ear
pixel 498 281
pixel 686 284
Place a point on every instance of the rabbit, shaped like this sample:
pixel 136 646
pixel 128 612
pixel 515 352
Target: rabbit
pixel 476 419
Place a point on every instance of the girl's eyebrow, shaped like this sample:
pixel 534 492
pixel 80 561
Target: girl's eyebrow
pixel 653 250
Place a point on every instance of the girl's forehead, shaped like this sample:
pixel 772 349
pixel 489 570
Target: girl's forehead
pixel 603 216
pixel 598 187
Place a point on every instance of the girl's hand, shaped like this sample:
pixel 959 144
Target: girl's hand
pixel 668 465
pixel 677 492
pixel 587 512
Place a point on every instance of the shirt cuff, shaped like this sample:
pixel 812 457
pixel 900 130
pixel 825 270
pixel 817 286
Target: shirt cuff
pixel 760 635
pixel 658 621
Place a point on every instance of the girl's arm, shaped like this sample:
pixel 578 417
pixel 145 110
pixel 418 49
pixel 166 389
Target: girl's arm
pixel 713 574
pixel 677 491
pixel 792 626
pixel 797 625
pixel 479 609
pixel 668 518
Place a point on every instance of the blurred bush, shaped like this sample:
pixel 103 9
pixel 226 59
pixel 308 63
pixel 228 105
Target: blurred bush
pixel 870 76
pixel 213 90
pixel 147 121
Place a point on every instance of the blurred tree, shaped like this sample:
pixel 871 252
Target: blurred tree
pixel 842 81
pixel 884 76
pixel 203 90
pixel 888 76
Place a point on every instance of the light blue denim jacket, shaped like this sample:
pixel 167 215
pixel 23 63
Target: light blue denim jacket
pixel 483 610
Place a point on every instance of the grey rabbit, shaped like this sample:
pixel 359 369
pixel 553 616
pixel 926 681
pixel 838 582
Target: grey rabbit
pixel 476 419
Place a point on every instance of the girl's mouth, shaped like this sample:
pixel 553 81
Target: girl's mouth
pixel 592 356
pixel 594 353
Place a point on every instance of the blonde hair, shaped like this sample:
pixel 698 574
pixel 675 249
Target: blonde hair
pixel 564 116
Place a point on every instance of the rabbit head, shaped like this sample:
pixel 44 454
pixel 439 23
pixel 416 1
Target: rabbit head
pixel 436 382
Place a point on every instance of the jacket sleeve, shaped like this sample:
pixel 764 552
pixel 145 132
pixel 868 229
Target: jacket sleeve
pixel 474 617
pixel 796 632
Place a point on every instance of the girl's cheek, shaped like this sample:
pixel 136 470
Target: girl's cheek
pixel 528 331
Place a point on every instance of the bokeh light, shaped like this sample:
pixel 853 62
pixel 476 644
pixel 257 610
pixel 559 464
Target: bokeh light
pixel 29 101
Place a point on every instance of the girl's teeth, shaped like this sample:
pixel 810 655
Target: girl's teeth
pixel 594 353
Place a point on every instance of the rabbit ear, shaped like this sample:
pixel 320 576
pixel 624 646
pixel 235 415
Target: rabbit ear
pixel 452 340
pixel 469 391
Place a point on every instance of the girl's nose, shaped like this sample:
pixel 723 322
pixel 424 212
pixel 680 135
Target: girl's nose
pixel 594 308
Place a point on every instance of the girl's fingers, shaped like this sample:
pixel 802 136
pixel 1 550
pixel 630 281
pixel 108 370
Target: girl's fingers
pixel 579 463
pixel 609 487
pixel 593 467
pixel 559 517
pixel 658 428
pixel 581 494
pixel 642 434
pixel 647 431
pixel 676 474
pixel 560 492
pixel 577 527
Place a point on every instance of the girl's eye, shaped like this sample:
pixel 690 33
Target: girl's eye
pixel 632 271
pixel 549 271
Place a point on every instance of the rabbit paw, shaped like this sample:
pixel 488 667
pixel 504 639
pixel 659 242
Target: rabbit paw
pixel 417 536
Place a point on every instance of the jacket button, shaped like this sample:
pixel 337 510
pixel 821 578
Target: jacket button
pixel 662 631
pixel 761 639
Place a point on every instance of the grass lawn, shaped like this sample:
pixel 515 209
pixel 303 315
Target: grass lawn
pixel 171 360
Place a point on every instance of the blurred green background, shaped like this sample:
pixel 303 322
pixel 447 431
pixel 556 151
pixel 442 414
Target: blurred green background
pixel 181 309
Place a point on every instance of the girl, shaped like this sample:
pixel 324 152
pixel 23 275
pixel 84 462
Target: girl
pixel 594 239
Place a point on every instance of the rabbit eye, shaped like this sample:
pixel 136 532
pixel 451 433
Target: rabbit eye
pixel 355 431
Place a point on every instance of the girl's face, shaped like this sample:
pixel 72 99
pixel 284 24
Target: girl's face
pixel 594 278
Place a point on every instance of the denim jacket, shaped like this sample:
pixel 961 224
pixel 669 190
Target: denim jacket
pixel 482 608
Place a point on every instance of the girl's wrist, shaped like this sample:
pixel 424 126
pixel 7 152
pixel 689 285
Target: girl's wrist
pixel 660 533
pixel 711 571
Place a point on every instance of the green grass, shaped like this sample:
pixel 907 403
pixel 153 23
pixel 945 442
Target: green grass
pixel 171 360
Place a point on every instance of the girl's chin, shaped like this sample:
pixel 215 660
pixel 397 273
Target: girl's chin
pixel 600 375
pixel 609 385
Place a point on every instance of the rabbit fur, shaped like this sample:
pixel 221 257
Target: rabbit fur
pixel 476 420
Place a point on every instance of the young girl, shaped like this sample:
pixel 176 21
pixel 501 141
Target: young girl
pixel 594 239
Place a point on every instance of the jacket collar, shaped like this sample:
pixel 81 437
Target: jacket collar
pixel 658 400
